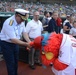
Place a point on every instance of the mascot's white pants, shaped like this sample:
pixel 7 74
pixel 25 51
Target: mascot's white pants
pixel 70 70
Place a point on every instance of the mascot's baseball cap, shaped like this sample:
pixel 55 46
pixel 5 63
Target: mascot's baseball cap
pixel 22 13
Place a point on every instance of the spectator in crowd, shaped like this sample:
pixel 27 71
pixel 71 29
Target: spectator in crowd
pixel 45 20
pixel 59 24
pixel 34 29
pixel 27 19
pixel 11 32
pixel 73 30
pixel 52 25
pixel 67 20
pixel 68 25
pixel 50 15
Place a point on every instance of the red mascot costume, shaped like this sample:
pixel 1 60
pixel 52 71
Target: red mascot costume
pixel 58 49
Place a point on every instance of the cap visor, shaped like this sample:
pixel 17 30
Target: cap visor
pixel 22 17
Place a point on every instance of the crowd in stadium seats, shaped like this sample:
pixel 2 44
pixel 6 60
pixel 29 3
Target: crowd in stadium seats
pixel 62 9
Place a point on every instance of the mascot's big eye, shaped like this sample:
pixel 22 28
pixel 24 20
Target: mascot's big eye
pixel 49 55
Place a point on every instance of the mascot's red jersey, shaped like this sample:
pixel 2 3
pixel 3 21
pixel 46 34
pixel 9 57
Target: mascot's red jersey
pixel 59 49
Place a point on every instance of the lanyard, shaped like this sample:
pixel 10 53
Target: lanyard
pixel 17 31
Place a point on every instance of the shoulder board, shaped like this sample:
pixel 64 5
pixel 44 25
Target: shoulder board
pixel 11 22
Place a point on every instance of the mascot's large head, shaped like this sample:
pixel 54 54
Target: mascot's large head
pixel 49 45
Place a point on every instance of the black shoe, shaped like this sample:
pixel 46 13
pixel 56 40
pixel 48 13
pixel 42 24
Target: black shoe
pixel 32 67
pixel 38 63
pixel 51 64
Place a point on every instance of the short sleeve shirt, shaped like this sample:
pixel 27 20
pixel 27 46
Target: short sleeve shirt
pixel 34 28
pixel 11 29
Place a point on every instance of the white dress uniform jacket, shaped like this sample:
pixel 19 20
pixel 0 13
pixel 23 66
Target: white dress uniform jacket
pixel 11 29
pixel 67 55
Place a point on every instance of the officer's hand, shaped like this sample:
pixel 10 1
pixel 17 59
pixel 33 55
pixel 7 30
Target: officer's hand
pixel 28 45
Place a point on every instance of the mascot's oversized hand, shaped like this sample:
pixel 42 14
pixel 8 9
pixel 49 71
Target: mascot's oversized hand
pixel 49 44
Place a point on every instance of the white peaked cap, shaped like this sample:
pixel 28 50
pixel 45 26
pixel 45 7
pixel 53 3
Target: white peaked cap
pixel 21 11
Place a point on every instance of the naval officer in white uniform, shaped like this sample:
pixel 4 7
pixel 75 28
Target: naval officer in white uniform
pixel 13 29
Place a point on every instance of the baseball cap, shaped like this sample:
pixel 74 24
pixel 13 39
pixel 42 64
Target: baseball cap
pixel 21 13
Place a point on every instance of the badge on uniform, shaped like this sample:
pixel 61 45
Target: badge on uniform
pixel 11 22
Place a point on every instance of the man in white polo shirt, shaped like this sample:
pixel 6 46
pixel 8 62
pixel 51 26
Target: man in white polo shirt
pixel 34 29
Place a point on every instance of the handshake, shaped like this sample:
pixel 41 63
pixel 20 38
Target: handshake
pixel 40 41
